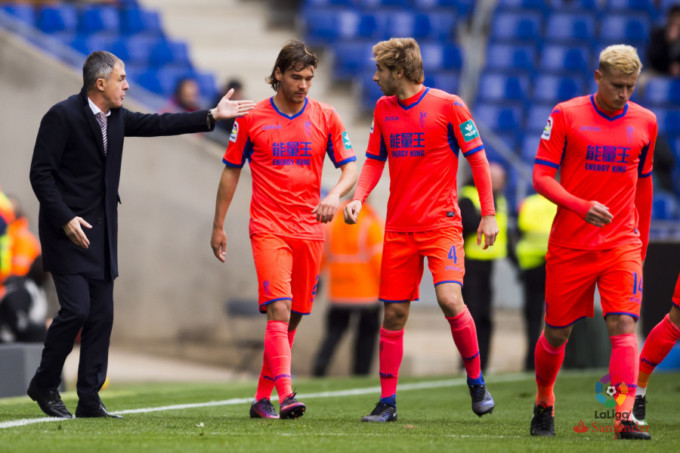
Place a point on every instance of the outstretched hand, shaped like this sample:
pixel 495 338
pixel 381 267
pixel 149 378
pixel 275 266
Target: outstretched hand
pixel 218 243
pixel 227 108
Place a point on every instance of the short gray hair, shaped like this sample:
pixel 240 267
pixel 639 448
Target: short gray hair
pixel 98 65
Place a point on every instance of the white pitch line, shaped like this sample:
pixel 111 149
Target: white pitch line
pixel 233 401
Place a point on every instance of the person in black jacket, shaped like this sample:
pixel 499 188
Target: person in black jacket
pixel 663 53
pixel 75 174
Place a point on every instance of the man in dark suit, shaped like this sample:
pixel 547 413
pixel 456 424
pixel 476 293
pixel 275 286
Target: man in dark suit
pixel 75 174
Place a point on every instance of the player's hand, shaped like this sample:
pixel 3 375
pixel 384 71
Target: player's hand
pixel 218 242
pixel 598 214
pixel 230 109
pixel 351 212
pixel 488 228
pixel 75 233
pixel 326 209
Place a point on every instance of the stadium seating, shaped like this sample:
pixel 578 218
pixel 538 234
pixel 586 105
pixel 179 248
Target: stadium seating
pixel 99 19
pixel 526 27
pixel 551 88
pixel 58 20
pixel 503 88
pixel 25 13
pixel 629 28
pixel 573 28
pixel 661 91
pixel 565 59
pixel 511 58
pixel 140 21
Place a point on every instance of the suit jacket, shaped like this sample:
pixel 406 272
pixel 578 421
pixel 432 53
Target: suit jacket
pixel 71 177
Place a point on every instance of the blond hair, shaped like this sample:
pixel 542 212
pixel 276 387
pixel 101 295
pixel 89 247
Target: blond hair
pixel 401 53
pixel 621 57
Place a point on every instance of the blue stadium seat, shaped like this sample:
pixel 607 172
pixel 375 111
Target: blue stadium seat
pixel 172 53
pixel 575 5
pixel 438 25
pixel 662 91
pixel 529 146
pixel 501 87
pixel 510 139
pixel 526 26
pixel 87 44
pixel 499 118
pixel 317 3
pixel 58 19
pixel 135 49
pixel 142 21
pixel 323 25
pixel 668 120
pixel 161 81
pixel 575 28
pixel 647 7
pixel 352 58
pixel 25 13
pixel 443 80
pixel 563 59
pixel 664 206
pixel 440 56
pixel 537 117
pixel 511 57
pixel 373 4
pixel 554 89
pixel 99 19
pixel 632 29
pixel 522 5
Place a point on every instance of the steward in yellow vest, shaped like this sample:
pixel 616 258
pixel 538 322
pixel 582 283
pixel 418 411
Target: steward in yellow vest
pixel 477 291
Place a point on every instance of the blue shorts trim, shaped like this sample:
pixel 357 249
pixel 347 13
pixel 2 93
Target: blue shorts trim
pixel 566 325
pixel 621 313
pixel 264 304
pixel 396 301
pixel 449 281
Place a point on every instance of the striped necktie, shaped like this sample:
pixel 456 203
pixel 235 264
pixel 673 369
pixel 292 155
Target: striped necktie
pixel 103 120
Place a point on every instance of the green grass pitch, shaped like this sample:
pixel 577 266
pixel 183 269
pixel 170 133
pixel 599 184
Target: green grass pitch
pixel 434 415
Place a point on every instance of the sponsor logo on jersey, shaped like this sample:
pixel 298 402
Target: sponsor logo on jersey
pixel 234 132
pixel 269 127
pixel 346 141
pixel 391 118
pixel 547 130
pixel 469 130
pixel 372 124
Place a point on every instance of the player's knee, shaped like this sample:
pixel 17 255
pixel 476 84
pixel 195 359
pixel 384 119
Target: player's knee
pixel 278 311
pixel 451 304
pixel 395 316
pixel 620 324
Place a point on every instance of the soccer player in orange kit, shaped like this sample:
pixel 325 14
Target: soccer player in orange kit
pixel 421 131
pixel 658 344
pixel 603 144
pixel 285 138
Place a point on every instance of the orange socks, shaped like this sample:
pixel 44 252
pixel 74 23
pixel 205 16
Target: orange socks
pixel 464 334
pixel 391 353
pixel 547 360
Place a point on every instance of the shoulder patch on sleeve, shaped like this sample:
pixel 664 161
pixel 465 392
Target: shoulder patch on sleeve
pixel 372 123
pixel 547 130
pixel 468 130
pixel 234 132
pixel 346 141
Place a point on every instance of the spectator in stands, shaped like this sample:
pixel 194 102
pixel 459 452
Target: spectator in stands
pixel 479 261
pixel 664 45
pixel 664 163
pixel 23 308
pixel 186 98
pixel 24 246
pixel 237 86
pixel 352 259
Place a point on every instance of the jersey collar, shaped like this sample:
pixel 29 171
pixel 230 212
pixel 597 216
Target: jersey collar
pixel 413 100
pixel 616 116
pixel 271 101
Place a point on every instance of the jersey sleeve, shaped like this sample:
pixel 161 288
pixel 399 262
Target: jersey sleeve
pixel 240 146
pixel 339 147
pixel 647 157
pixel 553 139
pixel 377 149
pixel 463 130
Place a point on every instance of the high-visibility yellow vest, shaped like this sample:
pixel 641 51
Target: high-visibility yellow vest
pixel 534 222
pixel 352 257
pixel 500 248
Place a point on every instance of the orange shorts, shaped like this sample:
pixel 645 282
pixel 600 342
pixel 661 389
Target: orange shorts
pixel 676 293
pixel 571 276
pixel 402 262
pixel 287 269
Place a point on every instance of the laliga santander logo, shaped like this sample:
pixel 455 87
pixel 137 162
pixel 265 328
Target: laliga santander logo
pixel 607 394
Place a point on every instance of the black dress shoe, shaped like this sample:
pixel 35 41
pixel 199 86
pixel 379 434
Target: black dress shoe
pixel 49 401
pixel 97 412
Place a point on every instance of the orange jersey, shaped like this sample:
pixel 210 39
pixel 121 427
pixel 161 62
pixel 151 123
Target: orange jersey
pixel 24 247
pixel 600 157
pixel 286 156
pixel 421 137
